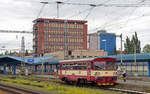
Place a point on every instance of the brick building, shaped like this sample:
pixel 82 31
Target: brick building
pixel 51 35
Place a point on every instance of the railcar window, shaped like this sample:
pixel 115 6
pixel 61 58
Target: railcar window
pixel 89 66
pixel 99 65
pixel 105 65
pixel 74 66
pixel 111 66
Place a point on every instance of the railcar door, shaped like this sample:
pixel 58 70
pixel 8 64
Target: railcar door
pixel 89 70
pixel 60 69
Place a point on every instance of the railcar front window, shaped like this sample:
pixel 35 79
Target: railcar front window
pixel 111 66
pixel 99 65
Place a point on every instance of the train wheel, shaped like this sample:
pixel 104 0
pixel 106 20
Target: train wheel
pixel 81 82
pixel 73 82
pixel 93 84
pixel 67 81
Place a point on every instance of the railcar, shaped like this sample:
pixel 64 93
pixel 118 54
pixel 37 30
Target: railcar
pixel 102 71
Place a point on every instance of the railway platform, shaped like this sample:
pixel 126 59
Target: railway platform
pixel 130 82
pixel 134 82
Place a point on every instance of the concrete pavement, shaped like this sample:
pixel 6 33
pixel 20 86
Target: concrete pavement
pixel 131 82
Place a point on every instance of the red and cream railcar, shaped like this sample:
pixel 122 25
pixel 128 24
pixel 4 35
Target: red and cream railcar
pixel 102 71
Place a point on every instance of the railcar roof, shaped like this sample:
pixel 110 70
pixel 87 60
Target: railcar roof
pixel 82 59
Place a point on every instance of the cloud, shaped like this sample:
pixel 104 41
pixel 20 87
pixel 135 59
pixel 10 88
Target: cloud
pixel 19 14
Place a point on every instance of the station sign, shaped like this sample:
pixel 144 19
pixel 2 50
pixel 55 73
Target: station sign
pixel 30 60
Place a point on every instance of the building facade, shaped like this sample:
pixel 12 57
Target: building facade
pixel 94 41
pixel 50 35
pixel 108 42
pixel 102 41
pixel 140 67
pixel 78 54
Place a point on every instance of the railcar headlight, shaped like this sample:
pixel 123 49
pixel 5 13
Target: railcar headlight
pixel 114 73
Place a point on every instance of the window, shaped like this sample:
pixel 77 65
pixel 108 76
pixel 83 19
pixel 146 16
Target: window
pixel 89 66
pixel 72 56
pixel 99 65
pixel 84 56
pixel 111 66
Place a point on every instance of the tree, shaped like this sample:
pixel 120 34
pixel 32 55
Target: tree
pixel 26 53
pixel 130 45
pixel 6 52
pixel 127 46
pixel 1 54
pixel 146 48
pixel 136 43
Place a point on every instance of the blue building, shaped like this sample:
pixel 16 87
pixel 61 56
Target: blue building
pixel 108 42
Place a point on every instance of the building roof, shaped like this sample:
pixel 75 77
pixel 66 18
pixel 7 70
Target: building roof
pixel 51 60
pixel 126 57
pixel 60 20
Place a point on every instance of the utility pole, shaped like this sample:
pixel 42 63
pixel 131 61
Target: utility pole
pixel 121 51
pixel 58 3
pixel 121 61
pixel 135 58
pixel 65 39
pixel 22 54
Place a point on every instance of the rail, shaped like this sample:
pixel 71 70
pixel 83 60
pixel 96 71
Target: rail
pixel 16 90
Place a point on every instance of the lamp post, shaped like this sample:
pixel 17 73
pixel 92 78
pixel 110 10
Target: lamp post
pixel 105 44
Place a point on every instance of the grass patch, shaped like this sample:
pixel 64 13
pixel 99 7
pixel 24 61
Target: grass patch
pixel 53 88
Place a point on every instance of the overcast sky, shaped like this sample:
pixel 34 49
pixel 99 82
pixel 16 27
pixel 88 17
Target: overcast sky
pixel 19 14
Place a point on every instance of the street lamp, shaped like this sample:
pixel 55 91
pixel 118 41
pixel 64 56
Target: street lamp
pixel 105 44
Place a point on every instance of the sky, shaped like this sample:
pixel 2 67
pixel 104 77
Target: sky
pixel 19 14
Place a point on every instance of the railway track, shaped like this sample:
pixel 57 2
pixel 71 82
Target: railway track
pixel 87 86
pixel 104 88
pixel 127 91
pixel 16 90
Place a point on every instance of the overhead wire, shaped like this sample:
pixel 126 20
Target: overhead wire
pixel 80 12
pixel 131 19
pixel 107 24
pixel 88 13
pixel 132 12
pixel 40 10
pixel 141 2
pixel 93 8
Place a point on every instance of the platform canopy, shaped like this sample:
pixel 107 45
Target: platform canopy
pixel 15 60
pixel 131 57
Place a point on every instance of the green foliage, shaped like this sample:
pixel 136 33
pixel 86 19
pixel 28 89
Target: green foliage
pixel 1 54
pixel 131 45
pixel 26 53
pixel 146 48
pixel 6 52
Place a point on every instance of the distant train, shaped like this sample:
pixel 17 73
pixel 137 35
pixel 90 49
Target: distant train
pixel 102 71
